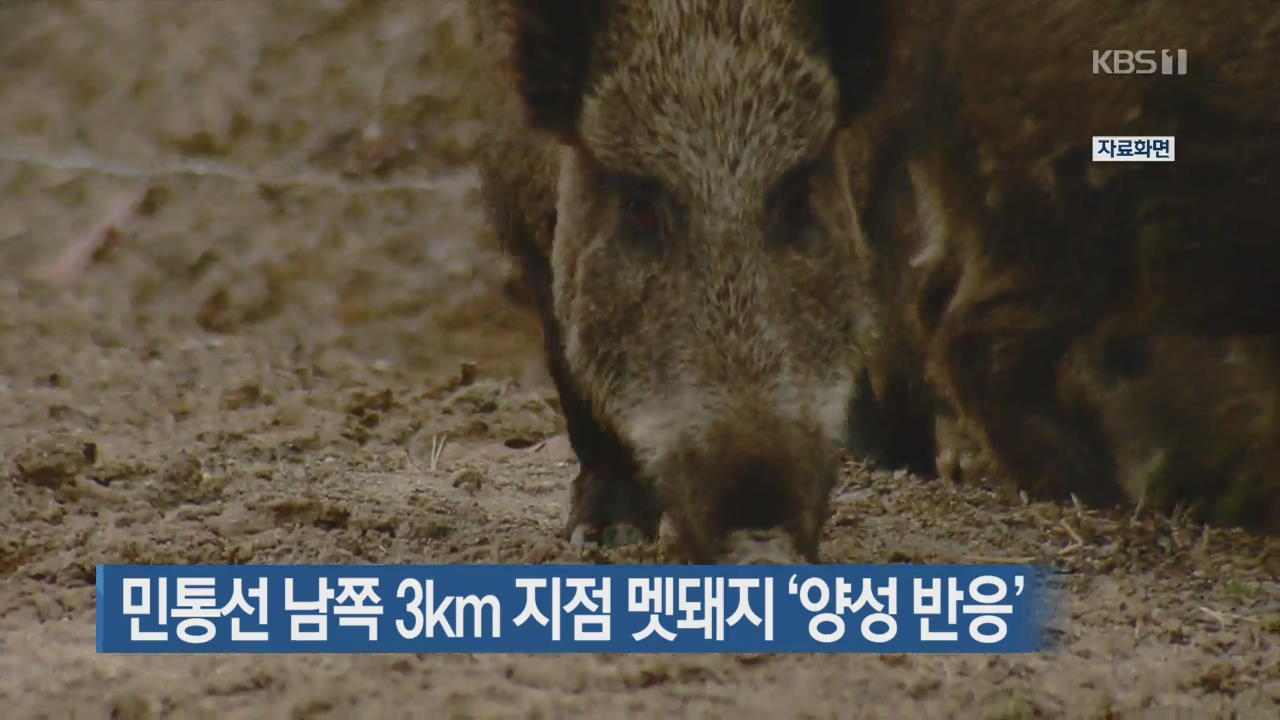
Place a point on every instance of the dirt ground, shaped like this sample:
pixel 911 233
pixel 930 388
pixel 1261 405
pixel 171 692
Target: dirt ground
pixel 242 265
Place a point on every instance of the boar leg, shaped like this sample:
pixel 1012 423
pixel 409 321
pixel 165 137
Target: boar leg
pixel 608 500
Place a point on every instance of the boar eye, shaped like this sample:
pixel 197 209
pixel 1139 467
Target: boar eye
pixel 641 212
pixel 790 203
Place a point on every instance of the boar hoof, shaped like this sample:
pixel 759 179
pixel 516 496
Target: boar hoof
pixel 618 535
pixel 962 466
pixel 622 534
pixel 746 547
pixel 582 536
pixel 610 508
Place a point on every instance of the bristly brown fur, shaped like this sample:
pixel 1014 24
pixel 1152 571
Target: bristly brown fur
pixel 1105 330
pixel 714 328
pixel 955 271
pixel 547 57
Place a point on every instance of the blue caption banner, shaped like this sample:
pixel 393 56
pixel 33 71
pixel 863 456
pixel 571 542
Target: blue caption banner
pixel 570 609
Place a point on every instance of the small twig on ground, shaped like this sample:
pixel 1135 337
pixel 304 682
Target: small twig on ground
pixel 1137 509
pixel 1072 532
pixel 1202 547
pixel 70 264
pixel 1079 506
pixel 1222 621
pixel 993 560
pixel 437 449
pixel 1222 616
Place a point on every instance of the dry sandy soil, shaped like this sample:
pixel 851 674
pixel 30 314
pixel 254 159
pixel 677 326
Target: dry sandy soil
pixel 284 270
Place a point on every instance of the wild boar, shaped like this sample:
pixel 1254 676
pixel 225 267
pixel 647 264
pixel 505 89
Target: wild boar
pixel 1110 330
pixel 668 174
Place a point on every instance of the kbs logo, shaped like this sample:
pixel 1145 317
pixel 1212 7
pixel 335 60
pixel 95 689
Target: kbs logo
pixel 1139 62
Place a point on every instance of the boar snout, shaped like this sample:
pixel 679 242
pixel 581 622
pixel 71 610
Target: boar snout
pixel 769 476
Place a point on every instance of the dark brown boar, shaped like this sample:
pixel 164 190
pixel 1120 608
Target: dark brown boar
pixel 668 174
pixel 1108 330
pixel 1192 420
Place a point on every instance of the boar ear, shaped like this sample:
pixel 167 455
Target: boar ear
pixel 858 43
pixel 549 51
